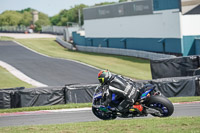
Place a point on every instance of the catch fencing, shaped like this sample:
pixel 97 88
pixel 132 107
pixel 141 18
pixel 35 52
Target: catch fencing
pixel 13 29
pixel 58 30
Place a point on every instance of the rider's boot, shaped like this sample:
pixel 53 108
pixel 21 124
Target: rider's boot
pixel 136 107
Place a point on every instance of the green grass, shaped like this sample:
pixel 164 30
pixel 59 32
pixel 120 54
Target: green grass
pixel 184 99
pixel 151 125
pixel 127 66
pixel 7 80
pixel 82 105
pixel 6 38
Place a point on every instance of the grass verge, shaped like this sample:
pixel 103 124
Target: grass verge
pixel 82 105
pixel 7 80
pixel 155 125
pixel 184 99
pixel 6 38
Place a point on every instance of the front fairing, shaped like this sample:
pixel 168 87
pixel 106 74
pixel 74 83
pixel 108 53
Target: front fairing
pixel 98 92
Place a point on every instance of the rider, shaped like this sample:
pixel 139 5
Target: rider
pixel 120 86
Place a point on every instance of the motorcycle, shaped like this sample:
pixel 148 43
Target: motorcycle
pixel 149 101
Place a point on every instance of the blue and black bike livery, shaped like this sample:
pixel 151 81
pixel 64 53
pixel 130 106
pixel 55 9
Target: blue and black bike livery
pixel 149 101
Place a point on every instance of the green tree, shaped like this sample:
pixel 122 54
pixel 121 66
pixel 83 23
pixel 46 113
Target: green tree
pixel 105 3
pixel 60 19
pixel 122 0
pixel 55 19
pixel 26 18
pixel 70 15
pixel 10 18
pixel 22 17
pixel 26 10
pixel 43 21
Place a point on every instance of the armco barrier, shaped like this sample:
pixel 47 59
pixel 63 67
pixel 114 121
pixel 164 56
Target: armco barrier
pixel 64 43
pixel 126 52
pixel 115 51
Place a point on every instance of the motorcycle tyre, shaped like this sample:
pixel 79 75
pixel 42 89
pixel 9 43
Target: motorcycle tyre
pixel 111 117
pixel 164 101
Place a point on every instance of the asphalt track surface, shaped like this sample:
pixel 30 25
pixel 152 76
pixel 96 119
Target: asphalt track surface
pixel 60 117
pixel 46 70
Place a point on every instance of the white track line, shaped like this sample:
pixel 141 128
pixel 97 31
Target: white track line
pixel 194 102
pixel 21 75
pixel 69 110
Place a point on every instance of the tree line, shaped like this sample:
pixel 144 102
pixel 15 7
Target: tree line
pixel 24 17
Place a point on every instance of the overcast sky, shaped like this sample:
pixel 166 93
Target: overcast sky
pixel 50 7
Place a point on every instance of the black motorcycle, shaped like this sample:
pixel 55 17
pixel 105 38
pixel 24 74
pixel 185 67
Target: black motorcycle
pixel 149 101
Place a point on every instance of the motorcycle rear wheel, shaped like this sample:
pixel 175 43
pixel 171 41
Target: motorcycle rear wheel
pixel 161 104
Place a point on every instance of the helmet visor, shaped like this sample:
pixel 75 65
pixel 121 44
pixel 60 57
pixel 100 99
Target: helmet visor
pixel 101 80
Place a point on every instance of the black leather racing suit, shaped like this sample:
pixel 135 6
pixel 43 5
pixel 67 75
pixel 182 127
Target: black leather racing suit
pixel 123 88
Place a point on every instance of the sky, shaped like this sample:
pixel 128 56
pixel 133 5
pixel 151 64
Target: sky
pixel 49 7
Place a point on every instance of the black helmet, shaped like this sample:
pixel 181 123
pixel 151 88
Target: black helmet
pixel 104 76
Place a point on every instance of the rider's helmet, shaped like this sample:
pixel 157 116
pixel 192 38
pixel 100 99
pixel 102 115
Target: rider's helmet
pixel 104 76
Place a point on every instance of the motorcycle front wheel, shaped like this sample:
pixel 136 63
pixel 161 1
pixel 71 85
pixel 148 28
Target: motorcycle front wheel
pixel 103 115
